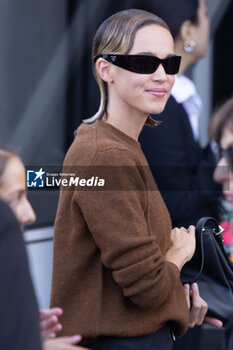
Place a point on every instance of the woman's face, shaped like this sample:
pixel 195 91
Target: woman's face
pixel 144 93
pixel 13 191
pixel 201 31
pixel 223 174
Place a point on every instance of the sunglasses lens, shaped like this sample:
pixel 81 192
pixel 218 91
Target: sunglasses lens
pixel 143 64
pixel 149 64
pixel 172 64
pixel 138 64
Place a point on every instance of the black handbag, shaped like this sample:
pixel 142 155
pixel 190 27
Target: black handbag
pixel 211 268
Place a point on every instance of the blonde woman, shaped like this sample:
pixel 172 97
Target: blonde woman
pixel 117 263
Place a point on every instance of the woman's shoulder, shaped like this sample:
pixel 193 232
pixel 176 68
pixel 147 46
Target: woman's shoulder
pixel 100 142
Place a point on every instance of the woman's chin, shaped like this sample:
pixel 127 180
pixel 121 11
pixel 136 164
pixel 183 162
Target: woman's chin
pixel 158 109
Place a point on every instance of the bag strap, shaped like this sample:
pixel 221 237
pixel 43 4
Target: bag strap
pixel 202 225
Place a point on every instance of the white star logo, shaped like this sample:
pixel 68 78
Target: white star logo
pixel 39 174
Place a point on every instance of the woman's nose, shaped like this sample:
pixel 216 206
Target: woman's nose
pixel 29 216
pixel 160 73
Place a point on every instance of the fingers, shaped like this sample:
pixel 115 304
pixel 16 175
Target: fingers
pixel 51 332
pixel 187 294
pixel 48 323
pixel 49 327
pixel 214 322
pixel 63 343
pixel 45 336
pixel 69 340
pixel 199 307
pixel 191 229
pixel 47 313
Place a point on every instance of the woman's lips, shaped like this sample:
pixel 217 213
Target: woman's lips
pixel 157 92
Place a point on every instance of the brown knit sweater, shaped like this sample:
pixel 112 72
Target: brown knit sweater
pixel 110 275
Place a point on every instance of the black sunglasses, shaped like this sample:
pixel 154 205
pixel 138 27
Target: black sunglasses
pixel 143 64
pixel 227 154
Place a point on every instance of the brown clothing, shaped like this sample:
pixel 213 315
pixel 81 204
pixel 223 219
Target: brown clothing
pixel 110 275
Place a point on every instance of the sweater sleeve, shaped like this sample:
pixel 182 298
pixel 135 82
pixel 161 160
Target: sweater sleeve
pixel 117 220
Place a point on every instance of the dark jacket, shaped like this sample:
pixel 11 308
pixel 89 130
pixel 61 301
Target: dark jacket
pixel 182 169
pixel 19 320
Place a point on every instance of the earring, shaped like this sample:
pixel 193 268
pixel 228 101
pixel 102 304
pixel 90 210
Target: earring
pixel 189 46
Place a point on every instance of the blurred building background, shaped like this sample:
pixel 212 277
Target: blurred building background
pixel 47 88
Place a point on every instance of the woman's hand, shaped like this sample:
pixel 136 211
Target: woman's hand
pixel 197 313
pixel 199 306
pixel 49 324
pixel 183 246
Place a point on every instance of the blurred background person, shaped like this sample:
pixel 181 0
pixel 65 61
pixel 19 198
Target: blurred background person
pixel 19 321
pixel 221 131
pixel 13 192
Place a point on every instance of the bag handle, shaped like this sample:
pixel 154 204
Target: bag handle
pixel 203 224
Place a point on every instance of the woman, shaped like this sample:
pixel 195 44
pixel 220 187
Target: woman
pixel 221 130
pixel 183 170
pixel 13 192
pixel 116 260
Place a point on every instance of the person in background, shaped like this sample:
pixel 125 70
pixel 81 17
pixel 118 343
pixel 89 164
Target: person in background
pixel 19 321
pixel 183 170
pixel 13 192
pixel 221 131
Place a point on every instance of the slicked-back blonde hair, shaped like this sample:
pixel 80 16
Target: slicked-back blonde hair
pixel 116 36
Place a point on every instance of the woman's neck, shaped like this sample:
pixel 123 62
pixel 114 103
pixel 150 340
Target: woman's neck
pixel 126 119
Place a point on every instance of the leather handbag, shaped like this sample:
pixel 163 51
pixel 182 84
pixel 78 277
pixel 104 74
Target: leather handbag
pixel 211 268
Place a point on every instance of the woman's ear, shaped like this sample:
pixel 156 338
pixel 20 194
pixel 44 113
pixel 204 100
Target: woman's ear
pixel 104 70
pixel 186 31
pixel 187 35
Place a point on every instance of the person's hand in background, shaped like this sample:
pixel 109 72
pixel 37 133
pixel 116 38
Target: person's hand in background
pixel 63 343
pixel 49 323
